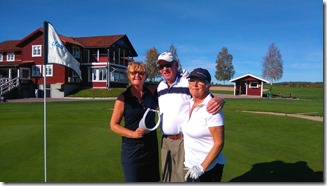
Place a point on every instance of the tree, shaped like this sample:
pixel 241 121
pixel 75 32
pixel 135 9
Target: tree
pixel 151 63
pixel 272 64
pixel 224 67
pixel 173 50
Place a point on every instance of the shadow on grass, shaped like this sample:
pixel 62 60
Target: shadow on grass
pixel 278 171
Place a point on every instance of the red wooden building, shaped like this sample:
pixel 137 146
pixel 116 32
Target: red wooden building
pixel 103 61
pixel 248 85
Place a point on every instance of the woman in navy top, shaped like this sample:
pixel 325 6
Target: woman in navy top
pixel 139 153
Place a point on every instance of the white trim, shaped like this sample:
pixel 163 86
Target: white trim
pixel 12 54
pixel 232 80
pixel 45 70
pixel 38 49
pixel 234 89
pixel 246 88
pixel 250 84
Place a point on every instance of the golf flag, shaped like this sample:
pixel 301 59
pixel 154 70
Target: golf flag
pixel 57 52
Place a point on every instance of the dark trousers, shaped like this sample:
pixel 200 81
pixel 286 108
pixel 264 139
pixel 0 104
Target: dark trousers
pixel 140 162
pixel 213 175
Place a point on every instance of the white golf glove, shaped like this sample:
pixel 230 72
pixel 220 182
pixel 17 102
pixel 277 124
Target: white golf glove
pixel 195 172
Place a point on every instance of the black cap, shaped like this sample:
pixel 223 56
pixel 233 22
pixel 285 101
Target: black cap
pixel 201 74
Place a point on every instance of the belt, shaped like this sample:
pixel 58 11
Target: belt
pixel 174 137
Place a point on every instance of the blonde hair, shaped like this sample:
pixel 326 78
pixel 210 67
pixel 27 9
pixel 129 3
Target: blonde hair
pixel 134 66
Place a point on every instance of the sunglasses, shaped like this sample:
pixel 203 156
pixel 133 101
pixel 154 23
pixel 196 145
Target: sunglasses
pixel 141 73
pixel 193 80
pixel 167 65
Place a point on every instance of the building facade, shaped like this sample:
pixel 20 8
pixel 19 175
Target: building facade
pixel 103 61
pixel 248 85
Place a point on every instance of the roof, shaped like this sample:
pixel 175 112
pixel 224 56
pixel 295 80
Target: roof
pixel 98 41
pixel 85 42
pixel 37 33
pixel 106 42
pixel 66 39
pixel 9 45
pixel 14 63
pixel 246 75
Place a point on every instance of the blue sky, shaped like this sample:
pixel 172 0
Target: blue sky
pixel 199 29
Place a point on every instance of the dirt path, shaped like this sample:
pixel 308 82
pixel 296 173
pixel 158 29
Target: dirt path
pixel 226 88
pixel 222 88
pixel 314 118
pixel 304 116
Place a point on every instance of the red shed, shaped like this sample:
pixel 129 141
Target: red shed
pixel 248 85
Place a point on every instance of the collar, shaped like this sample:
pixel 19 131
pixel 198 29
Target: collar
pixel 204 102
pixel 145 91
pixel 176 80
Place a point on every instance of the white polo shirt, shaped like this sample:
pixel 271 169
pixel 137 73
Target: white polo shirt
pixel 197 138
pixel 174 105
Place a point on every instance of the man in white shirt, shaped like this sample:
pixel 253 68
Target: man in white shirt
pixel 174 98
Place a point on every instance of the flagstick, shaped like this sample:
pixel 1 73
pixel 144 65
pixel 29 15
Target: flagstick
pixel 44 96
pixel 108 70
pixel 56 53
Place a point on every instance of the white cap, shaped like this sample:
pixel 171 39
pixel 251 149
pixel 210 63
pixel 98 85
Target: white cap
pixel 166 56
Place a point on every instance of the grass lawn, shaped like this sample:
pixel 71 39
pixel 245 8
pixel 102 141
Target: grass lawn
pixel 81 148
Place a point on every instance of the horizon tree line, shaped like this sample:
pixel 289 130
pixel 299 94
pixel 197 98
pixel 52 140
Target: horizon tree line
pixel 272 64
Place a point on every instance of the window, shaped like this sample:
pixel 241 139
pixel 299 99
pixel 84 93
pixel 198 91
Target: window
pixel 76 52
pixel 118 75
pixel 24 73
pixel 100 75
pixel 36 50
pixel 48 70
pixel 254 85
pixel 97 74
pixel 36 71
pixel 86 55
pixel 11 56
pixel 1 57
pixel 4 72
pixel 74 74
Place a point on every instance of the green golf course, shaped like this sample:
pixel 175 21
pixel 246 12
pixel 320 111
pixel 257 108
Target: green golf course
pixel 81 147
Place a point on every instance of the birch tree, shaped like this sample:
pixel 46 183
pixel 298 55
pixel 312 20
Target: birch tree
pixel 272 64
pixel 224 66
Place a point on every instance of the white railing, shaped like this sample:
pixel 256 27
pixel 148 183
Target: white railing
pixel 7 84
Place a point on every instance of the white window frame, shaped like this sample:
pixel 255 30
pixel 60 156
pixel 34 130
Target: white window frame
pixel 11 56
pixel 36 70
pixel 48 70
pixel 98 74
pixel 1 57
pixel 254 86
pixel 36 50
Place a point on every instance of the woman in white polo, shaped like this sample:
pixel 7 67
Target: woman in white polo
pixel 203 133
